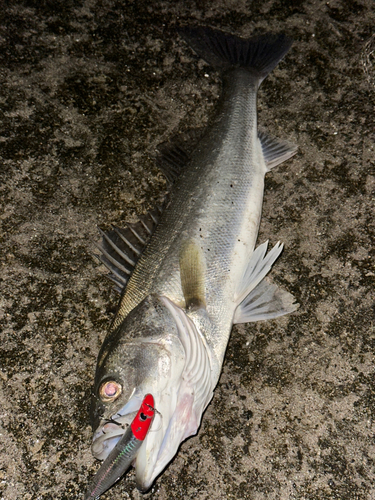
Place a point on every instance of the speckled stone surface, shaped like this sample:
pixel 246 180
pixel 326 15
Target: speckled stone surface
pixel 88 90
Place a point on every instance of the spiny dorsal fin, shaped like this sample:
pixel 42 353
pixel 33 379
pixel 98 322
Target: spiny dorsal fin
pixel 192 272
pixel 175 154
pixel 275 151
pixel 121 247
pixel 171 160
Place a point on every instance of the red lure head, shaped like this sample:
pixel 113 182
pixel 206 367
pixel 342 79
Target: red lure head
pixel 144 418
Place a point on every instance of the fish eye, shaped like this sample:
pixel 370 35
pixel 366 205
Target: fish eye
pixel 110 390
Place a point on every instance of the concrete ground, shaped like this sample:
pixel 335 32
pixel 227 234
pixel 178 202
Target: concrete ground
pixel 88 90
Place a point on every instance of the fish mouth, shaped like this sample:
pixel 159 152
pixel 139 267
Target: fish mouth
pixel 110 430
pixel 173 422
pixel 177 417
pixel 108 434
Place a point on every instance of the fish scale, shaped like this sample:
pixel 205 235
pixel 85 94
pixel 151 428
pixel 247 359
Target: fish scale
pixel 207 209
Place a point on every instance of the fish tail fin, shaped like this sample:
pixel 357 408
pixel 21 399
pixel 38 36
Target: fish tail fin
pixel 259 55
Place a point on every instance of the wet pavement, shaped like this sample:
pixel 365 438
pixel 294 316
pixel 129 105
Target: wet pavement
pixel 89 89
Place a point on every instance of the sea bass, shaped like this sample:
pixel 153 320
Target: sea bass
pixel 189 271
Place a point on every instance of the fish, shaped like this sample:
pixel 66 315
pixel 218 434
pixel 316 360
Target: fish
pixel 189 270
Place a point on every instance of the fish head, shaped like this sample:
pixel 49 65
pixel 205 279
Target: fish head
pixel 156 350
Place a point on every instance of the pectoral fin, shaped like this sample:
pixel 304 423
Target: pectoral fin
pixel 192 272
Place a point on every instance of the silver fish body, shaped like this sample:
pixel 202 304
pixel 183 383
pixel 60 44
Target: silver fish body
pixel 200 272
pixel 216 202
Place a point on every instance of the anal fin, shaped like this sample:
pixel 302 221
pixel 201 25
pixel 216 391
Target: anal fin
pixel 257 298
pixel 266 301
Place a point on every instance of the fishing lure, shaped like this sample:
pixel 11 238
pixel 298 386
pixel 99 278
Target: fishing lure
pixel 124 452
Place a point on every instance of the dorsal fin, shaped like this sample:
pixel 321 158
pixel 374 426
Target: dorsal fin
pixel 121 247
pixel 192 272
pixel 275 151
pixel 175 154
pixel 171 160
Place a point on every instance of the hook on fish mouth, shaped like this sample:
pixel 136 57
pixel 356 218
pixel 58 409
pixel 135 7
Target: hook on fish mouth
pixel 124 451
pixel 112 421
